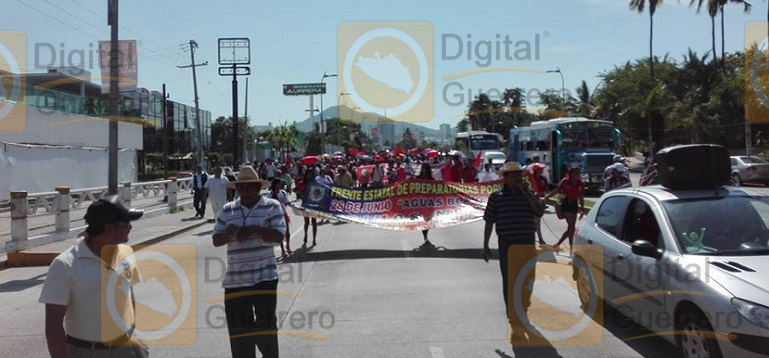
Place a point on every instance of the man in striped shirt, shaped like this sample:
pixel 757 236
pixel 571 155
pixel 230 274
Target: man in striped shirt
pixel 513 210
pixel 251 227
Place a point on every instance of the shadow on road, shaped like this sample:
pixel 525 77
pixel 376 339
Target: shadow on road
pixel 536 346
pixel 623 328
pixel 21 285
pixel 305 255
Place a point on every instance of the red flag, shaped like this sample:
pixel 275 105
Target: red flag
pixel 477 160
pixel 353 151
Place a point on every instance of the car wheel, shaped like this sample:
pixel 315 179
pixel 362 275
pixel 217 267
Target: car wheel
pixel 696 336
pixel 583 276
pixel 736 180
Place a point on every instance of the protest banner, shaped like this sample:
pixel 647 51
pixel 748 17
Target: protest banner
pixel 413 204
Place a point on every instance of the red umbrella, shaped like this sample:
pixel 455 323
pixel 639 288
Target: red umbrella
pixel 309 160
pixel 431 153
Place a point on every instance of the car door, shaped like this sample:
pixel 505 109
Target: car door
pixel 647 282
pixel 606 233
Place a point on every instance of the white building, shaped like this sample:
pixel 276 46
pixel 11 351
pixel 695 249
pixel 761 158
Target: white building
pixel 64 143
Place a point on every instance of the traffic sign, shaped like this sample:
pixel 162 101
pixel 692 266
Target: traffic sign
pixel 240 71
pixel 303 89
pixel 234 51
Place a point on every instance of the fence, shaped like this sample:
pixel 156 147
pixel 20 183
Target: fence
pixel 62 200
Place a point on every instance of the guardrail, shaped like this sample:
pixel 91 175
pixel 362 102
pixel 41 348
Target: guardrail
pixel 60 202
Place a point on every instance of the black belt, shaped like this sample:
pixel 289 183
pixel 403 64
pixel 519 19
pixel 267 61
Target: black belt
pixel 119 342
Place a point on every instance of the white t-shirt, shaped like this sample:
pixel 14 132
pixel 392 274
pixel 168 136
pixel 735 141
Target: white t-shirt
pixel 217 189
pixel 282 198
pixel 485 176
pixel 75 280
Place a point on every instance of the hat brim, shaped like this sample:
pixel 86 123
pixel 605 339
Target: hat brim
pixel 133 214
pixel 502 172
pixel 264 183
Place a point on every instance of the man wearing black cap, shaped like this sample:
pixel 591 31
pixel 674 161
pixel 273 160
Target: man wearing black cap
pixel 72 289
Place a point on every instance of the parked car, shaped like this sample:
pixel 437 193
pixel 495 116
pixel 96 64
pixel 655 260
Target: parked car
pixel 749 169
pixel 697 258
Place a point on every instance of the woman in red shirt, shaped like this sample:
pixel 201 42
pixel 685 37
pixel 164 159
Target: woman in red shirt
pixel 572 190
pixel 426 173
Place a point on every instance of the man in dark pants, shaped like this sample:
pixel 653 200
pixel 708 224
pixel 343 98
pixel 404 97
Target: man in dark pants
pixel 514 210
pixel 198 192
pixel 251 227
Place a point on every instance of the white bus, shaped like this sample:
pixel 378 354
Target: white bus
pixel 470 143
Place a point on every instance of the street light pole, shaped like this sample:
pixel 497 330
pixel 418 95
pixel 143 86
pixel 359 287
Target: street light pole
pixel 563 87
pixel 321 101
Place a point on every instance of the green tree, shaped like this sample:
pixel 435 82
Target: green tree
pixel 408 140
pixel 584 101
pixel 462 125
pixel 713 6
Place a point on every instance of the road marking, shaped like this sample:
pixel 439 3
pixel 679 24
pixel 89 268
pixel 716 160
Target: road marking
pixel 436 352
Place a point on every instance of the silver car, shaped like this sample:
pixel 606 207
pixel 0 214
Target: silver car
pixel 749 169
pixel 691 266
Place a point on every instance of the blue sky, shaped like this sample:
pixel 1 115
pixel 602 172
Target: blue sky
pixel 295 41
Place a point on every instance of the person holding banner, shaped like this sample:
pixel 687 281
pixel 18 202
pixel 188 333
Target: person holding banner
pixel 309 177
pixel 426 173
pixel 513 210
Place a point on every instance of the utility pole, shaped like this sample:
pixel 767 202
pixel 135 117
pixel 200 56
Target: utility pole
pixel 112 21
pixel 193 46
pixel 235 116
pixel 165 134
pixel 245 118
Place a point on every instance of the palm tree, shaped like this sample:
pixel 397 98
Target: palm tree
pixel 722 3
pixel 584 106
pixel 640 5
pixel 515 101
pixel 713 6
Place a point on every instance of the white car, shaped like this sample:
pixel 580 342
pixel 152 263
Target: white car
pixel 690 262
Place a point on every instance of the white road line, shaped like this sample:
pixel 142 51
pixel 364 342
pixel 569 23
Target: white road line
pixel 436 352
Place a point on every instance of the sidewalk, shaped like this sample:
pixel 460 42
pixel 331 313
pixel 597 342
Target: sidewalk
pixel 144 231
pixel 44 222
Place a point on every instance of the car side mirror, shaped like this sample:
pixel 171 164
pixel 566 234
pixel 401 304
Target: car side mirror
pixel 645 248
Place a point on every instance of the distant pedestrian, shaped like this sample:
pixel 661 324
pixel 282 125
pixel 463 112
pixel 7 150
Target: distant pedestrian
pixel 251 227
pixel 198 192
pixel 286 176
pixel 426 173
pixel 487 174
pixel 216 190
pixel 572 191
pixel 276 192
pixel 377 177
pixel 309 178
pixel 230 175
pixel 513 210
pixel 72 290
pixel 618 178
pixel 343 179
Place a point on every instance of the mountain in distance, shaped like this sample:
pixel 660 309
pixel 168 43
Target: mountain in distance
pixel 367 121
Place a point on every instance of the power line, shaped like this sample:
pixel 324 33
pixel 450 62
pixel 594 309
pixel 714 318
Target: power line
pixel 59 21
pixel 102 17
pixel 75 16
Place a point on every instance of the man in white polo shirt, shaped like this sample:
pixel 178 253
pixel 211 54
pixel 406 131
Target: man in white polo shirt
pixel 72 290
pixel 216 189
pixel 251 227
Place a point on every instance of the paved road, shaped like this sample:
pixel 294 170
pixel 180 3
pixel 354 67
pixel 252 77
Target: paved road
pixel 374 293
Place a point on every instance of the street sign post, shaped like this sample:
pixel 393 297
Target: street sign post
pixel 304 89
pixel 234 51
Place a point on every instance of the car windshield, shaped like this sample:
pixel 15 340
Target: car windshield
pixel 734 225
pixel 488 142
pixel 753 160
pixel 495 156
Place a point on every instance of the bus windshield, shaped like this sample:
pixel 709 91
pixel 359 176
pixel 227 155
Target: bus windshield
pixel 599 137
pixel 484 142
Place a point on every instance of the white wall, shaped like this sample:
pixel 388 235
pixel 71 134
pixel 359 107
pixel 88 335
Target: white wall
pixel 85 134
pixel 42 168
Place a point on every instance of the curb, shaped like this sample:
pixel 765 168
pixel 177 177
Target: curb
pixel 32 259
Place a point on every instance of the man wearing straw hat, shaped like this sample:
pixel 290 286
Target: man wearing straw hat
pixel 251 227
pixel 513 210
